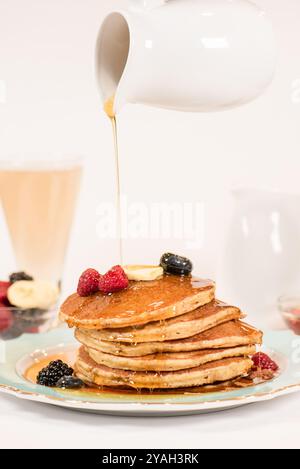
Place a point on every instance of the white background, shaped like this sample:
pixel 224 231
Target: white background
pixel 47 63
pixel 52 104
pixel 270 424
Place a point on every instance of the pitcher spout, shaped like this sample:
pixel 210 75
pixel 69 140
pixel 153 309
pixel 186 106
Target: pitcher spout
pixel 112 53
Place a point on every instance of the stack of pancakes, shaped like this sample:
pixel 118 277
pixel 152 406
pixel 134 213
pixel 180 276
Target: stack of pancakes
pixel 162 334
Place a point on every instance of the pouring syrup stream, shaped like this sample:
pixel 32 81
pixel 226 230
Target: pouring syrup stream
pixel 109 110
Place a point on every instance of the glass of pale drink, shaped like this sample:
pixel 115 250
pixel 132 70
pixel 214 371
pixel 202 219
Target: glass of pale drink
pixel 38 197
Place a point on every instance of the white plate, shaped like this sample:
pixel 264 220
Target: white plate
pixel 23 352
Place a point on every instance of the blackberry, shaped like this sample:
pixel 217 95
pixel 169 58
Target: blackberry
pixel 69 382
pixel 17 276
pixel 50 375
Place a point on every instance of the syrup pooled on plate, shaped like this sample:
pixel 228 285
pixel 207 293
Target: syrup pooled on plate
pixel 32 372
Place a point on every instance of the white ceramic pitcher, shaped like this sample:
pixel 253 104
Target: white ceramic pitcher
pixel 188 55
pixel 262 255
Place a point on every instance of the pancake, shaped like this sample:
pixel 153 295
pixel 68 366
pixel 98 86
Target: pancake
pixel 181 327
pixel 140 303
pixel 169 361
pixel 230 334
pixel 218 371
pixel 239 382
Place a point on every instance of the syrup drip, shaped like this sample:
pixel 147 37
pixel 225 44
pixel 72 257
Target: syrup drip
pixel 109 110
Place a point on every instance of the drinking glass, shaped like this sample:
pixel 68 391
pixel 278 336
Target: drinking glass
pixel 38 194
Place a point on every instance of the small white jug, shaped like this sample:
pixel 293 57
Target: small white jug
pixel 188 55
pixel 262 256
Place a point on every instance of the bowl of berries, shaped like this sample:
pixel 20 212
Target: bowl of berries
pixel 27 306
pixel 289 306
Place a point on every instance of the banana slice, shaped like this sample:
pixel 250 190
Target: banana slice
pixel 33 294
pixel 143 272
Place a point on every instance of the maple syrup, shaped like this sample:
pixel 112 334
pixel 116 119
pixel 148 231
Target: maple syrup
pixel 109 110
pixel 69 358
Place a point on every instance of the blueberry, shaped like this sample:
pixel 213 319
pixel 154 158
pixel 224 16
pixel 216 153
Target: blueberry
pixel 69 382
pixel 177 265
pixel 17 276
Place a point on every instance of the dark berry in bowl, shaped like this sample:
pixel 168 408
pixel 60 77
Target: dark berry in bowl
pixel 31 314
pixel 14 332
pixel 51 374
pixel 18 276
pixel 176 265
pixel 32 330
pixel 69 382
pixel 6 317
pixel 4 286
pixel 30 318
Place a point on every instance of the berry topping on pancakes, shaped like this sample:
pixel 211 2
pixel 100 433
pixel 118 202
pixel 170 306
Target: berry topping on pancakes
pixel 88 282
pixel 114 280
pixel 176 265
pixel 264 362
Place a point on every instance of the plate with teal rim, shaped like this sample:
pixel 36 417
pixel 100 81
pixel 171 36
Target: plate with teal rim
pixel 22 354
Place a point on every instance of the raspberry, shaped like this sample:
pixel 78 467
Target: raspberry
pixel 6 317
pixel 4 286
pixel 264 362
pixel 114 280
pixel 88 282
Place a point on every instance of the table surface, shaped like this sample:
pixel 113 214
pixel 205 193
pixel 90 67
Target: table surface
pixel 271 424
pixel 274 424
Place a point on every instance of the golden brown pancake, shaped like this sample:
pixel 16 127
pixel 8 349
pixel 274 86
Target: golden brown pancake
pixel 180 327
pixel 218 371
pixel 169 361
pixel 140 303
pixel 229 334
